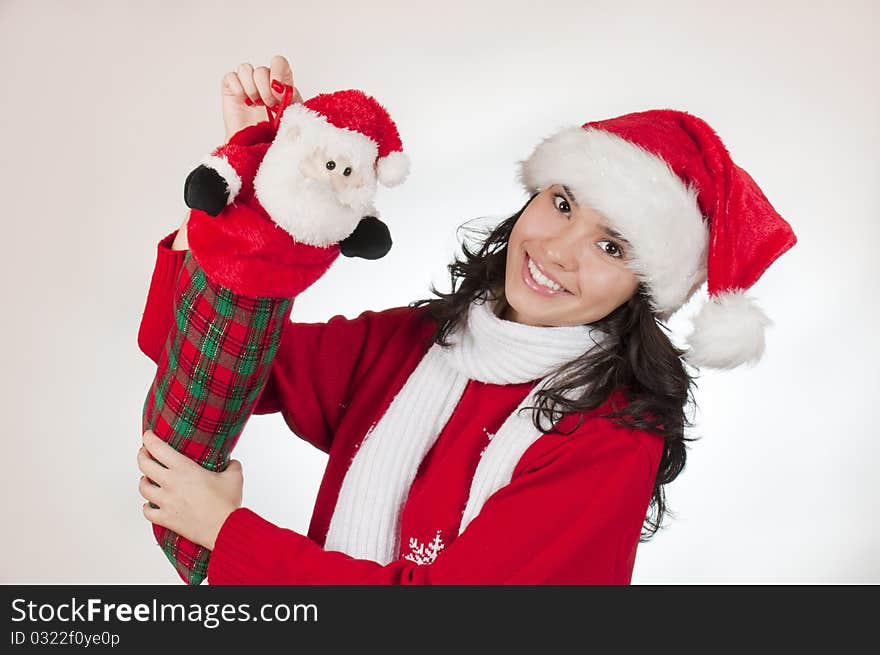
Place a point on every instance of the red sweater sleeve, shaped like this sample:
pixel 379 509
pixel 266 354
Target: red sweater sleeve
pixel 315 367
pixel 159 309
pixel 574 517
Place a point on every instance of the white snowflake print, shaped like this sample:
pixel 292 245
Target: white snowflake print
pixel 424 553
pixel 490 436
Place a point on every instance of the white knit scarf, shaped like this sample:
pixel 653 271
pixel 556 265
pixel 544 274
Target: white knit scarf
pixel 366 519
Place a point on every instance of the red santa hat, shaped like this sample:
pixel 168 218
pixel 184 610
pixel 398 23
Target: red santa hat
pixel 664 180
pixel 362 120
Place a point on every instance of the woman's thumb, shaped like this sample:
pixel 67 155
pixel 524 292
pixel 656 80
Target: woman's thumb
pixel 279 69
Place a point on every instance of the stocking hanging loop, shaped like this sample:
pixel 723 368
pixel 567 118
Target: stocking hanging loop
pixel 274 113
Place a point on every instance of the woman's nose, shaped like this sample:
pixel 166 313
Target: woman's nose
pixel 560 250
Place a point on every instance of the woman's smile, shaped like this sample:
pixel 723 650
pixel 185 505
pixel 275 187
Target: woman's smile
pixel 538 282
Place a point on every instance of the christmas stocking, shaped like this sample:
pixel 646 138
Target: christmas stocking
pixel 271 210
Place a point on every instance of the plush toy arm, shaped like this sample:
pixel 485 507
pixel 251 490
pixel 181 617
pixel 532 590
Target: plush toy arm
pixel 227 173
pixel 212 185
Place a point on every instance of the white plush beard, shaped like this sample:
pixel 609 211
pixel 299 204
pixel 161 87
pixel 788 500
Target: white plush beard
pixel 309 210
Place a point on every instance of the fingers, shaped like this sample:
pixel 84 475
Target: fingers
pixel 261 80
pixel 151 513
pixel 150 491
pixel 151 468
pixel 279 69
pixel 253 86
pixel 246 77
pixel 162 452
pixel 232 86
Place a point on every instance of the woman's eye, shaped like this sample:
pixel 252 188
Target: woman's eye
pixel 331 165
pixel 561 206
pixel 612 249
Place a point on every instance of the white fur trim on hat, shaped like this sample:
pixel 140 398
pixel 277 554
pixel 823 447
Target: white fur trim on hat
pixel 728 331
pixel 393 168
pixel 640 196
pixel 227 172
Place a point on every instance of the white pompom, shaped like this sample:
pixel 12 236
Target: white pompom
pixel 728 331
pixel 393 168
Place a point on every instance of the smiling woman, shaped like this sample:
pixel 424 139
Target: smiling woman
pixel 621 257
pixel 521 428
pixel 551 241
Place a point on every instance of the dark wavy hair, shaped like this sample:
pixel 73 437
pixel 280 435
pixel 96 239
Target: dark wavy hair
pixel 637 354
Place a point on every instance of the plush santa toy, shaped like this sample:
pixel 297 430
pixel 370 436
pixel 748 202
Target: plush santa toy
pixel 270 212
pixel 293 191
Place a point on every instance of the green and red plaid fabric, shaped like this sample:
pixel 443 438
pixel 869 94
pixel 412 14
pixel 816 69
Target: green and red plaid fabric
pixel 214 365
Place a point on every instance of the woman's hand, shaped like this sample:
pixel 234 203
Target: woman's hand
pixel 244 93
pixel 193 502
pixel 247 91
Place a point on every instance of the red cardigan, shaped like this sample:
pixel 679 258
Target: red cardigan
pixel 572 513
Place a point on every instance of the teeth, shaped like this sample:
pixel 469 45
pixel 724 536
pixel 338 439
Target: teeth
pixel 542 279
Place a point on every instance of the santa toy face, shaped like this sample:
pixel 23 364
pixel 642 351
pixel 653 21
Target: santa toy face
pixel 334 169
pixel 316 180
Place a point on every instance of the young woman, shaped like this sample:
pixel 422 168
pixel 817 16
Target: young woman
pixel 520 429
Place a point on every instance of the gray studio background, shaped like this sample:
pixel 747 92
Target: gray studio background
pixel 105 107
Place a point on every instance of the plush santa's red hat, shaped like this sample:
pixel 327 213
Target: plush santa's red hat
pixel 360 118
pixel 664 180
